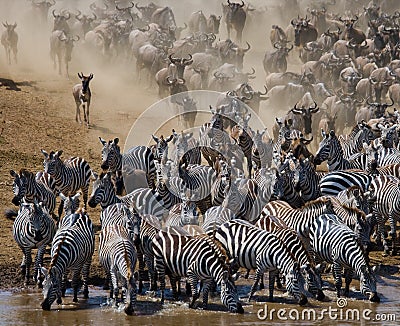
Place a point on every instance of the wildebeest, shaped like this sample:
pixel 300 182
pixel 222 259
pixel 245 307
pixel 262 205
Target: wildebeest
pixel 42 8
pixel 235 18
pixel 9 39
pixel 275 61
pixel 304 32
pixel 60 22
pixel 82 95
pixel 61 46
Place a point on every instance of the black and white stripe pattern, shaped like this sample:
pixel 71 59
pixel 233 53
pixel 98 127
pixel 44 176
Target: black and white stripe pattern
pixel 32 228
pixel 309 179
pixel 72 250
pixel 32 188
pixel 199 259
pixel 70 176
pixel 334 182
pixel 216 216
pixel 259 250
pixel 161 148
pixel 181 214
pixel 117 255
pixel 335 243
pixel 353 143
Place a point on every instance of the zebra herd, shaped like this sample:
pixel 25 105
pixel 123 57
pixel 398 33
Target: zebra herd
pixel 206 223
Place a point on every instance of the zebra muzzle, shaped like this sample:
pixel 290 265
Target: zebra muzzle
pixel 38 236
pixel 303 300
pixel 374 297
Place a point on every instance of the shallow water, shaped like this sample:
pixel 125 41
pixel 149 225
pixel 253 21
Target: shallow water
pixel 24 309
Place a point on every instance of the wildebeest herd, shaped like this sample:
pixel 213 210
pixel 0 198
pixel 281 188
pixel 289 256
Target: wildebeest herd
pixel 203 222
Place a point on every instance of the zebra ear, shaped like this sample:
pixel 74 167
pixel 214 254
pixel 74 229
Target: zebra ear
pixel 103 141
pixel 95 176
pixel 63 197
pixel 46 155
pixel 76 196
pixel 13 174
pixel 44 271
pixel 59 153
pixel 155 138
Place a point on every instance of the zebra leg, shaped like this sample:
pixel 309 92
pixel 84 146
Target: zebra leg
pixel 60 209
pixel 262 285
pixel 173 280
pixel 140 259
pixel 337 275
pixel 26 265
pixel 257 278
pixel 392 233
pixel 272 275
pixel 152 274
pixel 63 284
pixel 85 190
pixel 206 288
pixel 278 282
pixel 75 283
pixel 85 277
pixel 38 263
pixel 192 280
pixel 87 114
pixel 246 276
pixel 160 272
pixel 348 276
pixel 78 112
pixel 106 285
pixel 114 287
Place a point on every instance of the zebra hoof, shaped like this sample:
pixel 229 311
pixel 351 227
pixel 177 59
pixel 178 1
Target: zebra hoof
pixel 129 311
pixel 59 301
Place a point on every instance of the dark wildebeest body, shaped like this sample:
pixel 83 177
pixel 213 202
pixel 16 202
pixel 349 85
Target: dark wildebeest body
pixel 235 18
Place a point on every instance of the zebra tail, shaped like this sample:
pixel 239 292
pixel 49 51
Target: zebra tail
pixel 10 214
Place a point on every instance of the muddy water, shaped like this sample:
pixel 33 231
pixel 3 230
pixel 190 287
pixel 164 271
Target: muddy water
pixel 23 308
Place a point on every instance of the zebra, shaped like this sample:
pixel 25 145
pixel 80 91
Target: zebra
pixel 183 214
pixel 353 143
pixel 290 238
pixel 334 182
pixel 199 258
pixel 168 187
pixel 72 249
pixel 354 197
pixel 103 193
pixel 137 157
pixel 261 250
pixel 161 148
pixel 331 150
pixel 197 180
pixel 385 195
pixel 117 255
pixel 32 228
pixel 309 179
pixel 335 243
pixel 30 187
pixel 70 176
pixel 383 155
pixel 71 204
pixel 211 134
pixel 222 181
pixel 149 227
pixel 262 151
pixel 214 217
pixel 187 148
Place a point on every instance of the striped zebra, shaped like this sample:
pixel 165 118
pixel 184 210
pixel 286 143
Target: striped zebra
pixel 335 243
pixel 70 176
pixel 353 143
pixel 193 230
pixel 354 197
pixel 168 187
pixel 137 157
pixel 259 250
pixel 161 148
pixel 221 182
pixel 383 155
pixel 197 180
pixel 331 150
pixel 211 135
pixel 183 214
pixel 385 195
pixel 103 193
pixel 72 250
pixel 198 258
pixel 71 203
pixel 216 216
pixel 32 188
pixel 117 255
pixel 309 179
pixel 334 182
pixel 293 243
pixel 262 151
pixel 186 148
pixel 32 228
pixel 149 227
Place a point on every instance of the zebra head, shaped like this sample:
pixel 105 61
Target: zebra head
pixel 110 155
pixel 161 150
pixel 71 203
pixel 19 188
pixel 35 214
pixel 326 147
pixel 189 214
pixel 51 287
pixel 52 162
pixel 229 296
pixel 103 190
pixel 368 283
pixel 295 284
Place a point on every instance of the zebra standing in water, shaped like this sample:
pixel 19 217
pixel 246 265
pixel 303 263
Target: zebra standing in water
pixel 200 259
pixel 32 228
pixel 335 243
pixel 117 255
pixel 72 250
pixel 261 250
pixel 70 176
pixel 385 195
pixel 137 157
pixel 27 186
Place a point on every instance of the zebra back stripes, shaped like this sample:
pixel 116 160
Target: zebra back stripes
pixel 335 243
pixel 198 258
pixel 72 249
pixel 334 182
pixel 32 228
pixel 117 255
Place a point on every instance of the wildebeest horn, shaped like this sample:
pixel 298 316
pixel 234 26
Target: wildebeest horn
pixel 94 16
pixel 373 82
pixel 253 71
pixel 339 31
pixel 77 15
pixel 80 75
pixel 248 47
pixel 276 45
pixel 305 140
pixel 169 81
pixel 387 105
pixel 54 15
pixel 242 4
pixel 69 16
pixel 77 38
pixel 173 60
pixel 266 91
pixel 290 49
pixel 187 60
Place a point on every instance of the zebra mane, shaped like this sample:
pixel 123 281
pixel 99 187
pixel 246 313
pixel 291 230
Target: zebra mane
pixel 26 173
pixel 318 201
pixel 354 210
pixel 55 257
